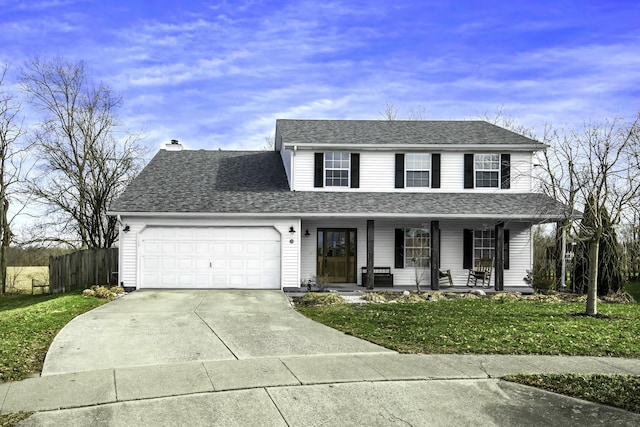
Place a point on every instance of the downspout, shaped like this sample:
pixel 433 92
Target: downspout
pixel 120 251
pixel 293 167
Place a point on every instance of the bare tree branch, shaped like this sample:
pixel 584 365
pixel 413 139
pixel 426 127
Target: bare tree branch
pixel 85 159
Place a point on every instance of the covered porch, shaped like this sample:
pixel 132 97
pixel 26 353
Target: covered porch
pixel 339 252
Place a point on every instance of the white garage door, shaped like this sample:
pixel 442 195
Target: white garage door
pixel 210 257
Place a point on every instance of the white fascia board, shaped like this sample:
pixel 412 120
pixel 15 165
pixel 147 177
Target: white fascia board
pixel 419 147
pixel 309 215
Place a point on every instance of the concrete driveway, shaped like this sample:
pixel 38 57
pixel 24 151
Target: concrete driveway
pixel 157 327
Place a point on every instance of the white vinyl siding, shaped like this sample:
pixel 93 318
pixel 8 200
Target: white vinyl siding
pixel 452 172
pixel 303 171
pixel 521 169
pixel 128 248
pixel 377 173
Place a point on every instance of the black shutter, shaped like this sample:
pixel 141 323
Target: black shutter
pixel 355 170
pixel 399 248
pixel 435 170
pixel 467 249
pixel 506 250
pixel 505 171
pixel 468 171
pixel 319 170
pixel 399 170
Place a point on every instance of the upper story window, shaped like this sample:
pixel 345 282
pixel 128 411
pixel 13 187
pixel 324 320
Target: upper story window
pixel 336 168
pixel 417 169
pixel 487 170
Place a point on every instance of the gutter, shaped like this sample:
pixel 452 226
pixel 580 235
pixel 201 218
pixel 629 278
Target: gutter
pixel 309 215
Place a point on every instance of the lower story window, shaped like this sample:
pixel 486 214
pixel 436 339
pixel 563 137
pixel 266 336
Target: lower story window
pixel 484 244
pixel 417 250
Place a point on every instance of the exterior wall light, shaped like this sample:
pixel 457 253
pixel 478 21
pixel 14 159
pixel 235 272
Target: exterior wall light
pixel 126 228
pixel 292 230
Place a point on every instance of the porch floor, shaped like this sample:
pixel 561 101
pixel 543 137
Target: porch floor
pixel 354 288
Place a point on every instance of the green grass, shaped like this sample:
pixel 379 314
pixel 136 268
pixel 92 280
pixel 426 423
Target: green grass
pixel 634 289
pixel 486 326
pixel 489 326
pixel 621 391
pixel 28 325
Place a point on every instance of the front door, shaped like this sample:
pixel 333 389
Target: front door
pixel 337 254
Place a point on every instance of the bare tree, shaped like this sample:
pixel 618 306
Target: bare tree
pixel 389 113
pixel 597 168
pixel 269 142
pixel 501 117
pixel 417 113
pixel 12 158
pixel 85 157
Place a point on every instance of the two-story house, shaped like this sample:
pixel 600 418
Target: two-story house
pixel 333 197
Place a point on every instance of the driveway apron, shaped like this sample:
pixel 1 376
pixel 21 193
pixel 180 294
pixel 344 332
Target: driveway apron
pixel 157 327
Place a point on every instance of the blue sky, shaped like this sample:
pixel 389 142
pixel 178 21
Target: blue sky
pixel 217 74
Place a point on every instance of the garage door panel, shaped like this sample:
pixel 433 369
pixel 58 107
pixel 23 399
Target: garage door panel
pixel 253 265
pixel 185 263
pixel 210 257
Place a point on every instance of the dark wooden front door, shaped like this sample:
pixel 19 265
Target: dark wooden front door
pixel 337 254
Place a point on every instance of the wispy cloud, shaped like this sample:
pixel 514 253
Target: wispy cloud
pixel 218 75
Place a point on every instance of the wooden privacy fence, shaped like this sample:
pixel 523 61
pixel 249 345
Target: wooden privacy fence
pixel 83 269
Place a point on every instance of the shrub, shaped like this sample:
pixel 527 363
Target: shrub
pixel 314 298
pixel 619 297
pixel 103 292
pixel 373 297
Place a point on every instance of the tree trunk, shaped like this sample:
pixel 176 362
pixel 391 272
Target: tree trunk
pixel 592 291
pixel 4 244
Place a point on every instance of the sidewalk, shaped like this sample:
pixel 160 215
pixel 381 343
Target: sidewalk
pixel 444 389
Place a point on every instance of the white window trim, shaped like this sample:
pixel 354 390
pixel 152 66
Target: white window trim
pixel 476 170
pixel 348 169
pixel 407 170
pixel 492 248
pixel 408 261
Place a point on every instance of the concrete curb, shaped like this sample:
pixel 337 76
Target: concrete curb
pixel 92 388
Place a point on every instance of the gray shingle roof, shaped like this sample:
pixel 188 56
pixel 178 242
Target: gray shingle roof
pixel 409 132
pixel 254 182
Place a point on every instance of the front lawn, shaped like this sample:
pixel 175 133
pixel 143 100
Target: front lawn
pixel 499 326
pixel 489 326
pixel 621 391
pixel 28 325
